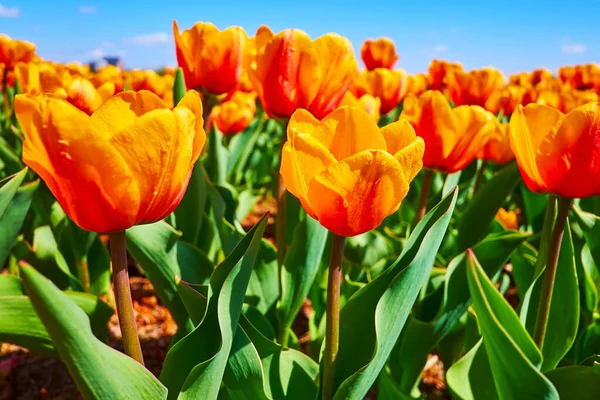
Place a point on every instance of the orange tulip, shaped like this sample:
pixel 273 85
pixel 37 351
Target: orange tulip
pixel 557 153
pixel 366 102
pixel 505 99
pixel 389 86
pixel 379 53
pixel 570 99
pixel 546 97
pixel 109 73
pixel 160 85
pixel 417 84
pixel 533 78
pixel 474 87
pixel 497 148
pixel 128 163
pixel 235 114
pixel 453 136
pixel 13 51
pixel 438 73
pixel 211 60
pixel 82 94
pixel 347 173
pixel 581 77
pixel 508 219
pixel 292 72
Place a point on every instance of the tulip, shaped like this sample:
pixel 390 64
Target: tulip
pixel 347 173
pixel 14 51
pixel 127 164
pixel 366 102
pixel 111 74
pixel 235 114
pixel 505 99
pixel 417 84
pixel 556 152
pixel 497 148
pixel 453 136
pixel 581 77
pixel 389 86
pixel 292 72
pixel 161 85
pixel 508 219
pixel 533 78
pixel 546 97
pixel 474 87
pixel 212 61
pixel 379 53
pixel 438 73
pixel 570 99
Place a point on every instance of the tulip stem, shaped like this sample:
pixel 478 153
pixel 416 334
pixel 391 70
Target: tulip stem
pixel 280 217
pixel 83 273
pixel 118 255
pixel 543 312
pixel 332 326
pixel 424 196
pixel 479 177
pixel 546 235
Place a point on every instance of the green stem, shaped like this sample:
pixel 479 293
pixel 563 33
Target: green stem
pixel 424 196
pixel 332 326
pixel 546 235
pixel 479 178
pixel 280 217
pixel 543 313
pixel 83 273
pixel 118 255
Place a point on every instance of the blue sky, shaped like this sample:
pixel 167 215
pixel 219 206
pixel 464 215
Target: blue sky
pixel 511 35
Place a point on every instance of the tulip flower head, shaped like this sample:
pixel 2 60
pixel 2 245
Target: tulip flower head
pixel 234 115
pixel 558 153
pixel 367 102
pixel 389 86
pixel 347 173
pixel 128 163
pixel 291 71
pixel 212 61
pixel 439 71
pixel 504 100
pixel 13 51
pixel 474 87
pixel 497 148
pixel 379 53
pixel 453 136
pixel 508 219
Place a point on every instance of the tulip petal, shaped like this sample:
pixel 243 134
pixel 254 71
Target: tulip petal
pixel 354 195
pixel 192 101
pixel 348 131
pixel 411 158
pixel 528 128
pixel 398 135
pixel 303 121
pixel 569 157
pixel 85 173
pixel 122 110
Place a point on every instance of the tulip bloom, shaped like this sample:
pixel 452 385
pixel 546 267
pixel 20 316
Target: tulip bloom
pixel 234 115
pixel 111 74
pixel 557 152
pixel 570 99
pixel 505 99
pixel 453 136
pixel 379 53
pixel 417 84
pixel 581 77
pixel 292 72
pixel 347 173
pixel 497 148
pixel 14 51
pixel 389 86
pixel 212 60
pixel 508 219
pixel 474 87
pixel 128 163
pixel 366 102
pixel 438 73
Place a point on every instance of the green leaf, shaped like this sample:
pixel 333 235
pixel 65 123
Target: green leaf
pixel 240 148
pixel 563 319
pixel 190 212
pixel 195 365
pixel 366 342
pixel 481 211
pixel 513 356
pixel 217 154
pixel 576 382
pixel 300 267
pixel 99 371
pixel 179 88
pixel 14 205
pixel 470 378
pixel 162 256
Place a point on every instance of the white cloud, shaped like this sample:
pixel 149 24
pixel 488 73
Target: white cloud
pixel 573 48
pixel 9 12
pixel 440 48
pixel 88 9
pixel 96 54
pixel 107 45
pixel 150 39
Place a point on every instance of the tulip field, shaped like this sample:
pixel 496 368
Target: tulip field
pixel 281 217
